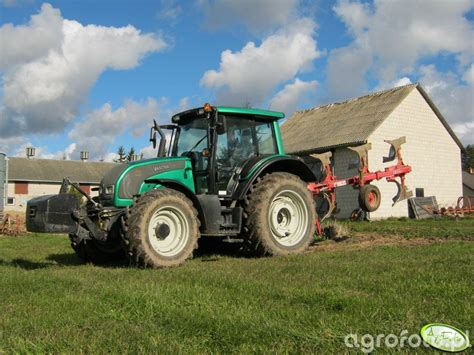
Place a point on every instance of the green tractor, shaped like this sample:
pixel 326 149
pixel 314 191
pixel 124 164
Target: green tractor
pixel 219 172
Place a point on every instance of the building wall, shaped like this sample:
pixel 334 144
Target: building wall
pixel 34 190
pixel 3 171
pixel 345 165
pixel 430 150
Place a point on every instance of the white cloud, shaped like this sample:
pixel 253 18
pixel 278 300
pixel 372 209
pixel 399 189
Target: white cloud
pixel 393 35
pixel 101 127
pixel 14 3
pixel 42 92
pixel 109 157
pixel 169 10
pixel 346 71
pixel 43 152
pixel 455 100
pixel 291 95
pixel 256 15
pixel 148 152
pixel 250 74
pixel 21 44
pixel 8 144
pixel 394 83
pixel 469 75
pixel 184 104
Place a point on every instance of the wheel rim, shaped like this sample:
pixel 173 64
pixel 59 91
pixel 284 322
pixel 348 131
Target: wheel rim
pixel 372 198
pixel 168 231
pixel 288 218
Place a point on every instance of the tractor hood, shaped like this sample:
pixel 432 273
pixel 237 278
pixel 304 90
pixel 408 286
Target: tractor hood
pixel 125 181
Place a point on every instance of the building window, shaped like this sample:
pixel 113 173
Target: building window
pixel 21 188
pixel 420 192
pixel 85 188
pixel 10 201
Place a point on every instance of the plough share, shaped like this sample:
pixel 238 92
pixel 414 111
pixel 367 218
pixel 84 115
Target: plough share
pixel 369 195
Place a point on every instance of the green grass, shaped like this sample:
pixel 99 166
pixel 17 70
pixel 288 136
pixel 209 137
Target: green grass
pixel 50 302
pixel 445 227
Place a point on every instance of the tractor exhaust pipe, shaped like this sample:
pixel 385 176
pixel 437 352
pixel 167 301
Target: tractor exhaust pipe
pixel 162 147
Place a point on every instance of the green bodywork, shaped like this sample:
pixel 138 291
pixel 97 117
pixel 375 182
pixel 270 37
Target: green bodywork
pixel 181 176
pixel 184 176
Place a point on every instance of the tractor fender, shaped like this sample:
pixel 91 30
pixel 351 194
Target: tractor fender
pixel 172 184
pixel 262 165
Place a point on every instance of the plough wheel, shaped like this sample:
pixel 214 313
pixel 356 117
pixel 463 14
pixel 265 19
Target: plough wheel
pixel 369 198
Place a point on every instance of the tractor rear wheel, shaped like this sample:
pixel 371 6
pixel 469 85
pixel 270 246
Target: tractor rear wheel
pixel 369 198
pixel 279 215
pixel 98 252
pixel 161 229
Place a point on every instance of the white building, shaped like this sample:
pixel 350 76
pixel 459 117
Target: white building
pixel 29 178
pixel 432 148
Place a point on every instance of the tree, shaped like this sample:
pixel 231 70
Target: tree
pixel 247 104
pixel 130 154
pixel 121 153
pixel 468 157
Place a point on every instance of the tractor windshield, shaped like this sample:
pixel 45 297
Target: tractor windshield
pixel 192 137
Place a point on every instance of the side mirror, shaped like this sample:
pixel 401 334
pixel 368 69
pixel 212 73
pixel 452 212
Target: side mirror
pixel 221 126
pixel 153 137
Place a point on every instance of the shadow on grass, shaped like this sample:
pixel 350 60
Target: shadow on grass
pixel 211 248
pixel 25 264
pixel 55 260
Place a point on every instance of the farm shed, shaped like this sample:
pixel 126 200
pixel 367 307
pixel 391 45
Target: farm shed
pixel 28 178
pixel 3 177
pixel 468 182
pixel 431 148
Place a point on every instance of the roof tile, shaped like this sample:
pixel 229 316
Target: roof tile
pixel 49 170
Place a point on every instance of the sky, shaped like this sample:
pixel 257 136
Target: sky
pixel 91 75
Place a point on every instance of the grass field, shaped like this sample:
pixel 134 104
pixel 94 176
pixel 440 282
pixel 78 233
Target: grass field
pixel 408 228
pixel 51 302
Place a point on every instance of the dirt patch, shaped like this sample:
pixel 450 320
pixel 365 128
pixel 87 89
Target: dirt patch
pixel 370 240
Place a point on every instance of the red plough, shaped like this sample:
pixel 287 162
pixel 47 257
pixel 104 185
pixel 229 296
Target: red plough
pixel 369 195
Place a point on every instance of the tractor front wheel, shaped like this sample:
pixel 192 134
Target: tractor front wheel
pixel 162 229
pixel 279 215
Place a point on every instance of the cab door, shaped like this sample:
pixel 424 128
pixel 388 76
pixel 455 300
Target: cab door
pixel 244 138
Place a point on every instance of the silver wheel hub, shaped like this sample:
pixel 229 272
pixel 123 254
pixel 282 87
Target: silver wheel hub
pixel 288 218
pixel 168 231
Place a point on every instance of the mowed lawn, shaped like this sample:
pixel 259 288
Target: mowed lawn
pixel 51 302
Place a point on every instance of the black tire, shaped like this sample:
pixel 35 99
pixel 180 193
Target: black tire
pixel 268 209
pixel 146 248
pixel 358 215
pixel 98 252
pixel 369 198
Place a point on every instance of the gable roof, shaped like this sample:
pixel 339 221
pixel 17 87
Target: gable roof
pixel 349 122
pixel 49 170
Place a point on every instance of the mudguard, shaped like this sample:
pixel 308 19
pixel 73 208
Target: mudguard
pixel 261 165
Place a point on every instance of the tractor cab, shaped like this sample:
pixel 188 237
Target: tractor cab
pixel 220 141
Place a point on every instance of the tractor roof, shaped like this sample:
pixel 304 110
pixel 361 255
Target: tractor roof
pixel 251 111
pixel 263 114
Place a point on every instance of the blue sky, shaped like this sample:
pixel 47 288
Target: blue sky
pixel 91 75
